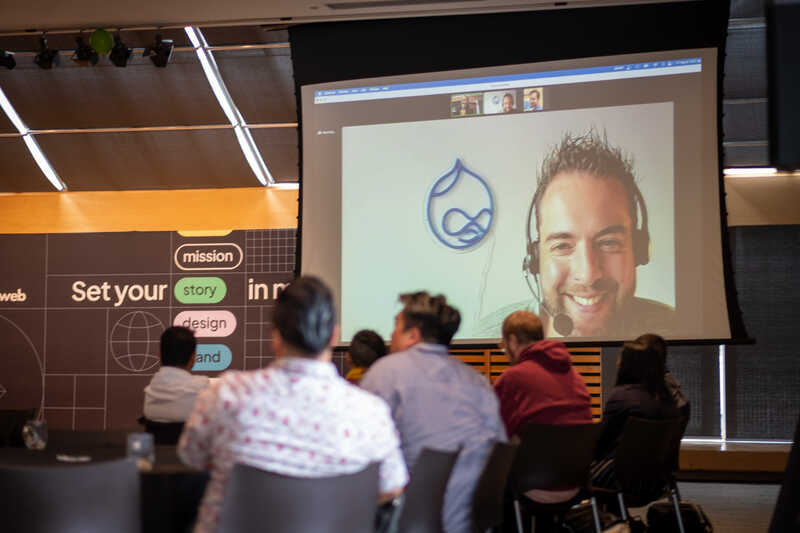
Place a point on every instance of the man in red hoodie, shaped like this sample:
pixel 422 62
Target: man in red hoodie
pixel 540 387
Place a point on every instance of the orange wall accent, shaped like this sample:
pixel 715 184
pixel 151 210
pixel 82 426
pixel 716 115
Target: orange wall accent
pixel 172 210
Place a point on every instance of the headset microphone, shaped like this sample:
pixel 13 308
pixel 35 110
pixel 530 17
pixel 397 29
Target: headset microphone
pixel 562 323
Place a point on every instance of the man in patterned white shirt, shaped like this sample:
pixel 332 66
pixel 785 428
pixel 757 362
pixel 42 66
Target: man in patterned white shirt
pixel 297 417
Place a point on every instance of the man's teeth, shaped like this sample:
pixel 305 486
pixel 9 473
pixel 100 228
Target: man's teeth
pixel 588 301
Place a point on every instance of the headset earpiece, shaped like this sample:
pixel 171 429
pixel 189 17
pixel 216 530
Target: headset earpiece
pixel 533 257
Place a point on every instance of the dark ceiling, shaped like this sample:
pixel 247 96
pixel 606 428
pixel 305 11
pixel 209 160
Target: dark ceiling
pixel 260 82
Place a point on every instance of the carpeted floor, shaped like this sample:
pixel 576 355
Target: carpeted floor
pixel 731 507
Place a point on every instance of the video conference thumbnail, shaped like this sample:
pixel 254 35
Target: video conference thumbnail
pixel 497 102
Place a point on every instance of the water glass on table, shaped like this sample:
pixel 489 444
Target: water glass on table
pixel 141 449
pixel 34 434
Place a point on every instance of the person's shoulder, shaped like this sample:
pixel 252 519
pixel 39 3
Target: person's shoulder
pixel 647 308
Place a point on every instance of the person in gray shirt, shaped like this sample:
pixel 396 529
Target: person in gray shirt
pixel 436 400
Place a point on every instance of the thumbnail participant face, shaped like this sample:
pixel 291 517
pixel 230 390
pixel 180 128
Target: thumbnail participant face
pixel 586 259
pixel 533 99
pixel 508 103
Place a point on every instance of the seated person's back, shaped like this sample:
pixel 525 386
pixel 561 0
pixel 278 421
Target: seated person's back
pixel 540 387
pixel 173 390
pixel 640 391
pixel 436 400
pixel 297 417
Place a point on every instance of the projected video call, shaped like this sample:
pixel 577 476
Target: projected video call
pixel 566 199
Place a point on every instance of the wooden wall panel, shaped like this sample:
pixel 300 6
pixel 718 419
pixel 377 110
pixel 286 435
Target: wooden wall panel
pixel 492 363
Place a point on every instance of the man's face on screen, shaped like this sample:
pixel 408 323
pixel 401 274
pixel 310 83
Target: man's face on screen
pixel 585 251
pixel 533 99
pixel 508 104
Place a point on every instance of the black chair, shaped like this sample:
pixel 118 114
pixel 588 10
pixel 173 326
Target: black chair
pixel 423 499
pixel 553 458
pixel 163 432
pixel 644 462
pixel 786 516
pixel 489 498
pixel 256 500
pixel 11 423
pixel 92 498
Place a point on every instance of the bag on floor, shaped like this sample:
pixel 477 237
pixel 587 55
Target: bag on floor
pixel 661 518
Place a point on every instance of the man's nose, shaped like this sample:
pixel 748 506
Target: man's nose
pixel 587 266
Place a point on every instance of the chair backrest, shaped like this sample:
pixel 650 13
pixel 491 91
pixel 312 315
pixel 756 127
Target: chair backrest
pixel 257 500
pixel 554 457
pixel 163 432
pixel 11 422
pixel 424 496
pixel 90 498
pixel 646 453
pixel 487 502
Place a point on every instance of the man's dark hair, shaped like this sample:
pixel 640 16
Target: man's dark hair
pixel 437 321
pixel 177 346
pixel 366 347
pixel 640 365
pixel 304 315
pixel 590 153
pixel 657 343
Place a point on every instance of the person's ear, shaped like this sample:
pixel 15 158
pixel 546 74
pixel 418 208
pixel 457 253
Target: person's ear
pixel 191 362
pixel 415 335
pixel 334 336
pixel 277 343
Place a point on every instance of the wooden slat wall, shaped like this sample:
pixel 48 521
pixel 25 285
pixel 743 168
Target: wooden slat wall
pixel 587 361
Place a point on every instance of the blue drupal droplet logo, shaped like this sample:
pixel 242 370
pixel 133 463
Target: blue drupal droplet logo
pixel 460 208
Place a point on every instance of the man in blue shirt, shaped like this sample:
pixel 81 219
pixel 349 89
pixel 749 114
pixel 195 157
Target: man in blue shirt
pixel 436 400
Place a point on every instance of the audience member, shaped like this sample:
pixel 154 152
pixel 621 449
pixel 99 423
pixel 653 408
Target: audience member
pixel 436 400
pixel 173 390
pixel 540 387
pixel 297 417
pixel 659 346
pixel 640 391
pixel 365 348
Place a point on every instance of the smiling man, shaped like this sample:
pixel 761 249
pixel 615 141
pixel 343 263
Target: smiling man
pixel 590 235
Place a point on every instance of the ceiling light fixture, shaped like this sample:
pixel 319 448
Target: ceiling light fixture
pixel 47 57
pixel 120 53
pixel 246 142
pixel 30 142
pixel 766 171
pixel 7 60
pixel 84 54
pixel 160 53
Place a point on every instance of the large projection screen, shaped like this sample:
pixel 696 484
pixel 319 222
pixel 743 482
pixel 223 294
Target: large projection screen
pixel 427 182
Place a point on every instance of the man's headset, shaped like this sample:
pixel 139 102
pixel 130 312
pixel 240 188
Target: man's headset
pixel 530 264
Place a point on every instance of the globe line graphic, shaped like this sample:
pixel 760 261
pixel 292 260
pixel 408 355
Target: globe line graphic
pixel 134 341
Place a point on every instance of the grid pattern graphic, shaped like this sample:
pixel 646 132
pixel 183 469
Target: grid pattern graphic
pixel 258 337
pixel 270 251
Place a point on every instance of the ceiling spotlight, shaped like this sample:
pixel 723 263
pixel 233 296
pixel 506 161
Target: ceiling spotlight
pixel 7 60
pixel 84 54
pixel 120 53
pixel 160 52
pixel 47 57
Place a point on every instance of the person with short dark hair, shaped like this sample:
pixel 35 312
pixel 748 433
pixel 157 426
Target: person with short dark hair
pixel 365 348
pixel 508 103
pixel 437 401
pixel 659 346
pixel 640 391
pixel 297 417
pixel 540 386
pixel 173 390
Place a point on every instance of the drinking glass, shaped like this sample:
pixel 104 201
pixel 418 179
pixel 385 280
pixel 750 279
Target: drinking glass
pixel 34 433
pixel 141 449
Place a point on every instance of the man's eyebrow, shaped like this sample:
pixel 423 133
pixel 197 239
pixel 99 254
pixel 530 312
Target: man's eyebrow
pixel 609 230
pixel 559 235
